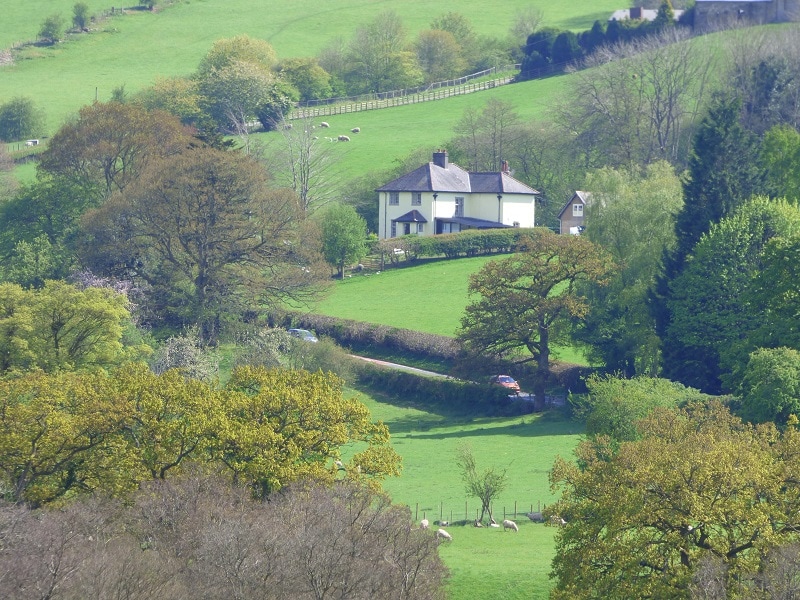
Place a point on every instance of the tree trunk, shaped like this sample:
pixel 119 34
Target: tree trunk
pixel 542 368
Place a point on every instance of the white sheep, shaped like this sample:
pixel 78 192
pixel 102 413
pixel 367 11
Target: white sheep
pixel 442 534
pixel 344 138
pixel 324 124
pixel 424 524
pixel 556 520
pixel 355 129
pixel 508 524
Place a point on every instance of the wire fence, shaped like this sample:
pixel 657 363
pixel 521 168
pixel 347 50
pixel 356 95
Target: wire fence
pixel 434 91
pixel 467 513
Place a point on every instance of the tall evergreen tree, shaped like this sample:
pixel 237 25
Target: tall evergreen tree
pixel 723 173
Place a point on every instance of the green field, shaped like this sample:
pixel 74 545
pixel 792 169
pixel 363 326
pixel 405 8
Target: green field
pixel 428 297
pixel 485 563
pixel 134 49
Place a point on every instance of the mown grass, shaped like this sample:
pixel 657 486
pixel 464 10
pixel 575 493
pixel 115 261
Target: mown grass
pixel 429 296
pixel 485 563
pixel 133 50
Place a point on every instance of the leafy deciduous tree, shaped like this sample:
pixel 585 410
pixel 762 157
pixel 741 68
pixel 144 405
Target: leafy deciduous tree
pixel 20 119
pixel 344 236
pixel 527 301
pixel 109 145
pixel 770 387
pixel 631 214
pixel 80 15
pixel 699 483
pixel 204 229
pixel 709 334
pixel 52 29
pixel 486 485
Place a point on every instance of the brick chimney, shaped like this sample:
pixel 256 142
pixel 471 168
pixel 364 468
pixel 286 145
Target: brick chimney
pixel 440 158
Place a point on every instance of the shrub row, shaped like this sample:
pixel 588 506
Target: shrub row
pixel 472 242
pixel 448 394
pixel 356 333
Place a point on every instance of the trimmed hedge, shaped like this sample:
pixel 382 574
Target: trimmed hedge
pixel 472 242
pixel 447 394
pixel 357 333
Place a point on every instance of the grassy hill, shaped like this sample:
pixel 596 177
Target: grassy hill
pixel 136 48
pixel 485 563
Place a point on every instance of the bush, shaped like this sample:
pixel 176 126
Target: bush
pixel 20 119
pixel 52 29
pixel 80 15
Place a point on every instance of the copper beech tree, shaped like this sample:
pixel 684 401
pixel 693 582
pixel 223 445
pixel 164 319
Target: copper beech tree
pixel 527 301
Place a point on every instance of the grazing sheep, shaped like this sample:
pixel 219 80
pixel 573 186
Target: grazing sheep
pixel 536 517
pixel 344 138
pixel 508 524
pixel 355 129
pixel 339 465
pixel 556 520
pixel 478 523
pixel 442 534
pixel 424 524
pixel 324 124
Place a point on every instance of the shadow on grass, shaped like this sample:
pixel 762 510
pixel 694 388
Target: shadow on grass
pixel 539 425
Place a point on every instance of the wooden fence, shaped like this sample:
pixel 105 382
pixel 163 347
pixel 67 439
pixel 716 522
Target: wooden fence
pixel 395 98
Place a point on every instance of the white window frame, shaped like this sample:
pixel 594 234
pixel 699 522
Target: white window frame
pixel 420 227
pixel 577 209
pixel 394 198
pixel 394 229
pixel 416 198
pixel 459 209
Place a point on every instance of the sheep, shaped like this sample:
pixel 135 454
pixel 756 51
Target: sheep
pixel 424 524
pixel 442 534
pixel 355 129
pixel 556 520
pixel 339 465
pixel 324 124
pixel 508 524
pixel 478 523
pixel 344 138
pixel 536 517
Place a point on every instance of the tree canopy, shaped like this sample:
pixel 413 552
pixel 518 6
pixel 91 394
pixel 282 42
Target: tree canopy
pixel 207 234
pixel 699 484
pixel 72 433
pixel 527 301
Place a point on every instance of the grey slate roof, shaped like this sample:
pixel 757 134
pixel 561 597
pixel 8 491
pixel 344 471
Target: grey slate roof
pixel 476 223
pixel 433 178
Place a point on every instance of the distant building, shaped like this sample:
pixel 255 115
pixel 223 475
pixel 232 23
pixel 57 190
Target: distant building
pixel 571 217
pixel 637 13
pixel 710 15
pixel 441 197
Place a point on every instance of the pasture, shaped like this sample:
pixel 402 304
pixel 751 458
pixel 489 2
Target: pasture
pixel 138 47
pixel 485 563
pixel 429 296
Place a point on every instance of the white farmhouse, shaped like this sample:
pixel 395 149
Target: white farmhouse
pixel 441 197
